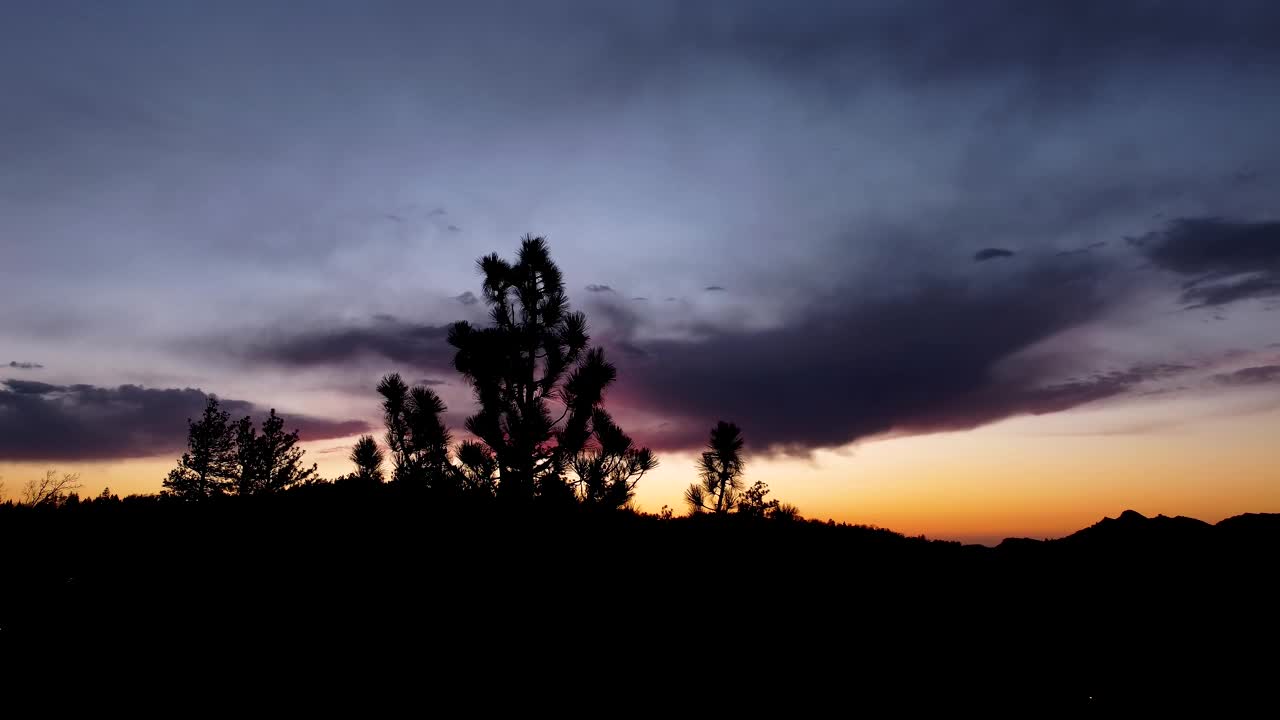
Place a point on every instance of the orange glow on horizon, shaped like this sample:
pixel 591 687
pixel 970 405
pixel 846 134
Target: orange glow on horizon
pixel 1028 477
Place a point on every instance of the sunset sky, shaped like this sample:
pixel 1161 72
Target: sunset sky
pixel 967 269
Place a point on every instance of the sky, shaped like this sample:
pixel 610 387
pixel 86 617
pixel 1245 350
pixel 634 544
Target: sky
pixel 968 270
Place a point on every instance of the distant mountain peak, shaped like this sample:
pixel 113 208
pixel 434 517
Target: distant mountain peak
pixel 1132 516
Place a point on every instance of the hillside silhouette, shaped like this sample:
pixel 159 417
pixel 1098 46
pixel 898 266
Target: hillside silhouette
pixel 1116 614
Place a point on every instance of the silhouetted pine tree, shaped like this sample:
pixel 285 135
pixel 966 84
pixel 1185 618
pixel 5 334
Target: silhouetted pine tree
pixel 477 467
pixel 752 503
pixel 247 449
pixel 607 469
pixel 209 467
pixel 277 459
pixel 536 381
pixel 224 457
pixel 368 458
pixel 395 399
pixel 270 461
pixel 720 468
pixel 416 436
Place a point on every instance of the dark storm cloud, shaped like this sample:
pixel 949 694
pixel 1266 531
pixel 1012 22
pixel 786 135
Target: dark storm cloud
pixel 1250 376
pixel 24 365
pixel 1215 247
pixel 941 37
pixel 40 421
pixel 992 254
pixel 1226 260
pixel 1057 52
pixel 942 356
pixel 413 344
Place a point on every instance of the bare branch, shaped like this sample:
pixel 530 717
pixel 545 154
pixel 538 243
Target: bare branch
pixel 51 489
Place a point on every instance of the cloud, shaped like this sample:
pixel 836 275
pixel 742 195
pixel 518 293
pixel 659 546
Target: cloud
pixel 1102 385
pixel 946 355
pixel 1069 121
pixel 1062 40
pixel 1226 261
pixel 1197 246
pixel 29 387
pixel 413 344
pixel 1223 293
pixel 1250 376
pixel 24 365
pixel 1081 251
pixel 709 288
pixel 991 254
pixel 599 288
pixel 431 382
pixel 630 349
pixel 41 421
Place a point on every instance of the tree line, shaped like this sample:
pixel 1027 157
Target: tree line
pixel 541 430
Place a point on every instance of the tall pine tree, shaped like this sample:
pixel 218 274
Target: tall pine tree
pixel 277 459
pixel 720 469
pixel 537 382
pixel 209 467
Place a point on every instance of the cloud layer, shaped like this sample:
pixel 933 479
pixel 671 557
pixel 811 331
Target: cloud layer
pixel 384 336
pixel 950 349
pixel 852 218
pixel 940 356
pixel 43 421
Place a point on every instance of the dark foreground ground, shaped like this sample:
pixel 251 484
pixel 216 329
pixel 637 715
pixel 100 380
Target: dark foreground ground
pixel 551 609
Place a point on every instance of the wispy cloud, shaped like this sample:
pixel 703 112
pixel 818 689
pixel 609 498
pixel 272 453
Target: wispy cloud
pixel 992 254
pixel 1250 376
